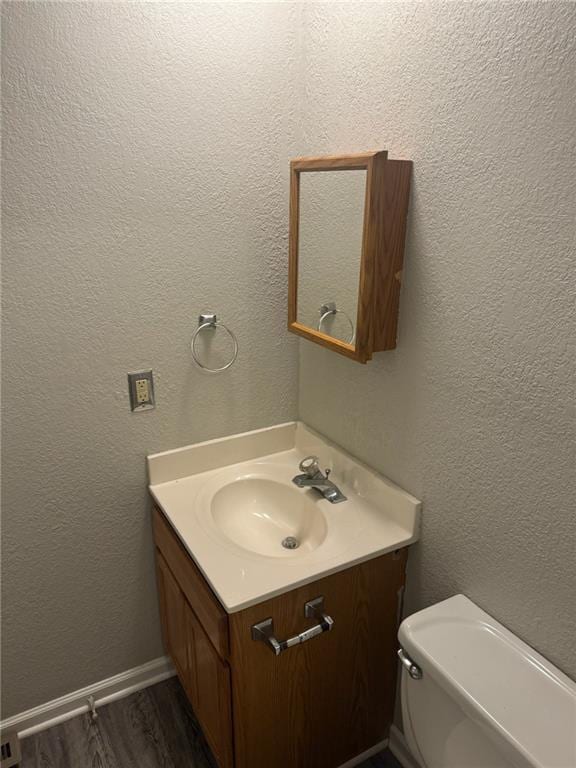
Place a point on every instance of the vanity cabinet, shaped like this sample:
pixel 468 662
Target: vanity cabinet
pixel 317 704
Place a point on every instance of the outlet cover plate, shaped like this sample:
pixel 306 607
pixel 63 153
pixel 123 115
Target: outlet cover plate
pixel 10 754
pixel 141 389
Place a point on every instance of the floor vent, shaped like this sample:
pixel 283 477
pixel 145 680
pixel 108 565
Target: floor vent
pixel 9 750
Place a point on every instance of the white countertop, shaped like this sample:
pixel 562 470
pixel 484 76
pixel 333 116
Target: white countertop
pixel 378 517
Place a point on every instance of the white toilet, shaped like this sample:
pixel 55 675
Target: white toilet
pixel 475 696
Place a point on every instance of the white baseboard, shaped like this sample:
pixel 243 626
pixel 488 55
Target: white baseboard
pixel 59 710
pixel 399 749
pixel 365 755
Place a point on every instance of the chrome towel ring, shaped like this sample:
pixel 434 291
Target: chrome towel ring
pixel 210 320
pixel 330 309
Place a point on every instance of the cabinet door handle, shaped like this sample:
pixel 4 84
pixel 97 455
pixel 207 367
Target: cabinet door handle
pixel 313 609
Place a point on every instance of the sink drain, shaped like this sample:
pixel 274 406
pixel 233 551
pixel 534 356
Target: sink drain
pixel 290 543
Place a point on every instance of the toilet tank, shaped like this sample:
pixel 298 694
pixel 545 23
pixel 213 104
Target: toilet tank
pixel 485 698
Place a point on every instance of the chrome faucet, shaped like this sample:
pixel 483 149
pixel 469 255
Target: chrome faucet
pixel 312 477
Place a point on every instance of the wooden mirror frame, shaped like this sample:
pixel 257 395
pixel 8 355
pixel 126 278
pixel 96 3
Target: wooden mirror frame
pixel 382 256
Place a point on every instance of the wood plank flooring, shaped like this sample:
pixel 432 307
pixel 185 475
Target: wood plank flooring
pixel 154 728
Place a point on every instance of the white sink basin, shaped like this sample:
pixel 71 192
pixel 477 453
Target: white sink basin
pixel 232 503
pixel 268 517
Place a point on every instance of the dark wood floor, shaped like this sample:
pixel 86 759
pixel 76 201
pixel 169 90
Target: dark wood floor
pixel 154 728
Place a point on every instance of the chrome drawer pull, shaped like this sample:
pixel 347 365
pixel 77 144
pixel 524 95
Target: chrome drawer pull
pixel 314 609
pixel 413 669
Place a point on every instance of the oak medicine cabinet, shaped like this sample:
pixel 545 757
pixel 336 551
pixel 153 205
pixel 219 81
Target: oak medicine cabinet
pixel 347 231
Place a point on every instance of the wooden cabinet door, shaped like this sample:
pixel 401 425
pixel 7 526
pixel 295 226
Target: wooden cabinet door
pixel 196 590
pixel 191 684
pixel 203 674
pixel 173 610
pixel 321 703
pixel 211 699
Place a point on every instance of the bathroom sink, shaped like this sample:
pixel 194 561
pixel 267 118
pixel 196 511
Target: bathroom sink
pixel 253 533
pixel 268 517
pixel 256 507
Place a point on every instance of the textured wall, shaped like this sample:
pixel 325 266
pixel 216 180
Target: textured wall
pixel 145 179
pixel 473 412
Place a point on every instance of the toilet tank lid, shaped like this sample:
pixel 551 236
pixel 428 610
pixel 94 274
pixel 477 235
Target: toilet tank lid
pixel 498 679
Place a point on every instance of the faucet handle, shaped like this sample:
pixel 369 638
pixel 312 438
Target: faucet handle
pixel 310 466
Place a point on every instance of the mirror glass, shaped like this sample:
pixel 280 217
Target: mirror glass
pixel 329 250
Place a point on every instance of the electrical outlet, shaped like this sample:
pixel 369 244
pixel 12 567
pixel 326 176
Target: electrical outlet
pixel 142 395
pixel 141 388
pixel 10 754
